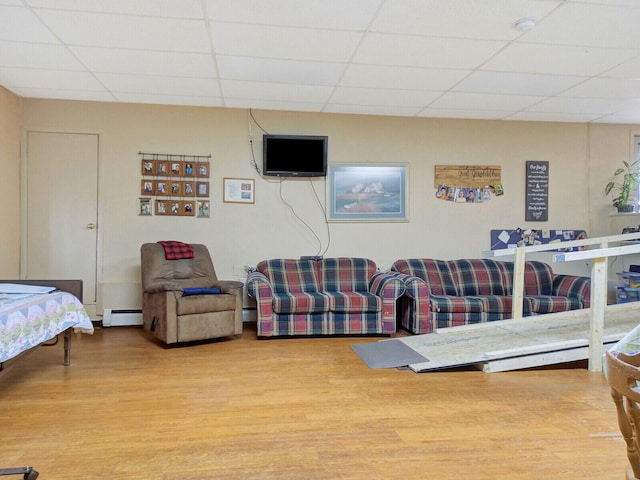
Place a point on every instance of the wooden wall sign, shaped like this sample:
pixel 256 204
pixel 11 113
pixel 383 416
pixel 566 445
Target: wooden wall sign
pixel 467 176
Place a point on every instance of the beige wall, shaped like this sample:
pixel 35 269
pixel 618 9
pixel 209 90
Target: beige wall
pixel 9 184
pixel 581 157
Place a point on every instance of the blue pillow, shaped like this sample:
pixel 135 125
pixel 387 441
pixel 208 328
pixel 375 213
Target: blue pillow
pixel 200 291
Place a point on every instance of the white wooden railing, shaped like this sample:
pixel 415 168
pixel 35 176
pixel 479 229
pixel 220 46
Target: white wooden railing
pixel 598 251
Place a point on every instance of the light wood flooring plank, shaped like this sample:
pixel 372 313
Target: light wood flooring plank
pixel 130 408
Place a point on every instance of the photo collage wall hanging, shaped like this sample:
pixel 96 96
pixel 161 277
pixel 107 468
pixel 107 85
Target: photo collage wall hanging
pixel 174 185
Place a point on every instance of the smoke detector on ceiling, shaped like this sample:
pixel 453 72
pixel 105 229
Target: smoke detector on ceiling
pixel 525 24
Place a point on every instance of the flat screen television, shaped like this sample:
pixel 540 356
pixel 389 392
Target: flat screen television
pixel 294 155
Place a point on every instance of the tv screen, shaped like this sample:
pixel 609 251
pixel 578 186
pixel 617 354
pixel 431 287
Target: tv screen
pixel 295 155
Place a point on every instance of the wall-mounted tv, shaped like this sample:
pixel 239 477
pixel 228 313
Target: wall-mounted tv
pixel 294 155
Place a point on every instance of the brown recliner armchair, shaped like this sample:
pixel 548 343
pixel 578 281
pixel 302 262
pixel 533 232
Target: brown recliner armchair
pixel 173 317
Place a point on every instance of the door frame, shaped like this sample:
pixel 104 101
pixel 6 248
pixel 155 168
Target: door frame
pixel 90 304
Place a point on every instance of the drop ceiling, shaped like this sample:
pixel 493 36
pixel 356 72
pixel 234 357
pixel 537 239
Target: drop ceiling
pixel 413 58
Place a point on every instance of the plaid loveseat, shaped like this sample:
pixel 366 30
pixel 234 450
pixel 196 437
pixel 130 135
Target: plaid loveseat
pixel 442 294
pixel 332 296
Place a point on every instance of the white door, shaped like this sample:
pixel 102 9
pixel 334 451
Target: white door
pixel 61 210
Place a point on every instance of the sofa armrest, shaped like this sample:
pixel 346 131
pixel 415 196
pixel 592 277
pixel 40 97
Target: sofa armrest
pixel 415 306
pixel 573 286
pixel 386 285
pixel 259 287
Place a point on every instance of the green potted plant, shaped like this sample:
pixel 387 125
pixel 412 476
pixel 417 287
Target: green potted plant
pixel 624 179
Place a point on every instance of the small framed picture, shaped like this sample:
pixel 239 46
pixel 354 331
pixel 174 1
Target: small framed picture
pixel 174 206
pixel 188 189
pixel 162 168
pixel 202 189
pixel 148 187
pixel 175 189
pixel 188 208
pixel 144 206
pixel 162 207
pixel 189 170
pixel 203 208
pixel 203 169
pixel 148 167
pixel 239 190
pixel 161 188
pixel 176 168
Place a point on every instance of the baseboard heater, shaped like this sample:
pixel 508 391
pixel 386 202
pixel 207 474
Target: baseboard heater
pixel 121 318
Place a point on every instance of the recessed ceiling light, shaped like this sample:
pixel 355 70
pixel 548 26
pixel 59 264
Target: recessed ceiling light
pixel 525 24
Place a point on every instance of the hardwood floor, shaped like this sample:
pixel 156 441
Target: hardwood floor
pixel 130 408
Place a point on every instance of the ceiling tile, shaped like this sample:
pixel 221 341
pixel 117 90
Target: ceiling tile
pixel 378 97
pixel 284 42
pixel 414 51
pixel 93 96
pixel 279 71
pixel 160 85
pixel 275 91
pixel 598 106
pixel 606 88
pixel 152 8
pixel 39 56
pixel 194 100
pixel 553 117
pixel 142 62
pixel 318 14
pixel 464 113
pixel 21 25
pixel 482 101
pixel 577 23
pixel 516 83
pixel 557 59
pixel 261 104
pixel 122 31
pixel 407 78
pixel 371 110
pixel 53 79
pixel 477 19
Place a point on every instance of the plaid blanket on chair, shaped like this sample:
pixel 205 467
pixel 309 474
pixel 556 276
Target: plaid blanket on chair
pixel 176 250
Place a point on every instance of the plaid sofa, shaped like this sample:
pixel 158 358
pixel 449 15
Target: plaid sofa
pixel 332 296
pixel 442 294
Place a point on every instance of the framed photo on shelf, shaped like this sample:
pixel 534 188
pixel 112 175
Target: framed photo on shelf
pixel 188 189
pixel 239 190
pixel 203 208
pixel 162 168
pixel 162 207
pixel 175 189
pixel 148 187
pixel 368 192
pixel 188 208
pixel 148 167
pixel 144 206
pixel 202 189
pixel 202 169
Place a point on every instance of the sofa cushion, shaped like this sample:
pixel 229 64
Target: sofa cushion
pixel 300 302
pixel 538 278
pixel 552 304
pixel 502 304
pixel 205 303
pixel 290 275
pixel 354 302
pixel 453 304
pixel 479 277
pixel 435 273
pixel 346 274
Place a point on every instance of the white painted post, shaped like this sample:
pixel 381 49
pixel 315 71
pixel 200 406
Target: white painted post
pixel 598 302
pixel 517 295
